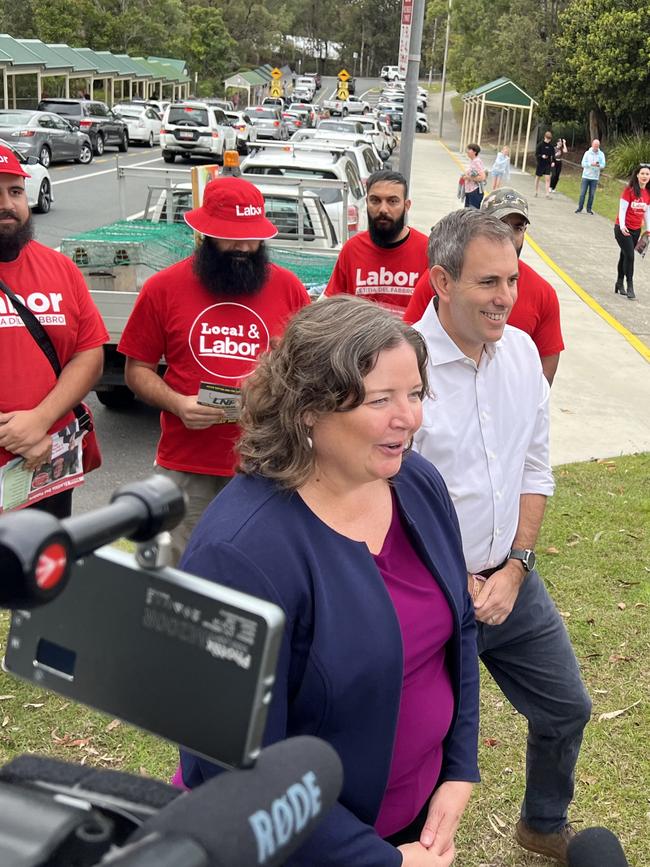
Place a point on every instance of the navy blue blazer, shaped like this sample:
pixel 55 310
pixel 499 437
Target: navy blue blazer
pixel 339 675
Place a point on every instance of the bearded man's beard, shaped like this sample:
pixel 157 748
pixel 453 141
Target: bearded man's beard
pixel 14 237
pixel 232 272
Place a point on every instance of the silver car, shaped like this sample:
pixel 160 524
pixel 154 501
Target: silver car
pixel 44 135
pixel 268 122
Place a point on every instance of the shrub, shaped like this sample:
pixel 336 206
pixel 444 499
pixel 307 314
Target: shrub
pixel 627 153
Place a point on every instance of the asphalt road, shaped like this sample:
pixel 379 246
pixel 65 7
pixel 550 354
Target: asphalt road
pixel 86 197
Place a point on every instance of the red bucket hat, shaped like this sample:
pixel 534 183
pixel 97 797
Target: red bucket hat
pixel 9 163
pixel 232 209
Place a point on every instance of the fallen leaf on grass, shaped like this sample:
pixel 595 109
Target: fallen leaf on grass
pixel 616 657
pixel 34 704
pixel 78 742
pixel 621 606
pixel 612 714
pixel 606 463
pixel 565 614
pixel 598 535
pixel 552 551
pixel 640 605
pixel 5 722
pixel 113 725
pixel 6 697
pixel 600 691
pixel 490 742
pixel 494 826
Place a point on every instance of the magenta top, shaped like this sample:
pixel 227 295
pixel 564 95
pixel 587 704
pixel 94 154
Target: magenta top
pixel 427 703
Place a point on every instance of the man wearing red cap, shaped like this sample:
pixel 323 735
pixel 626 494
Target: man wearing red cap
pixel 210 316
pixel 34 403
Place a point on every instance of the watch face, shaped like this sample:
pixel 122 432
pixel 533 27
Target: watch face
pixel 529 562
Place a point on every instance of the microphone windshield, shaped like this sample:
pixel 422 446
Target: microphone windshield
pixel 596 847
pixel 261 815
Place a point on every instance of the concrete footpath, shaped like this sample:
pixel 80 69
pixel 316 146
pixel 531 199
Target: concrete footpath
pixel 600 400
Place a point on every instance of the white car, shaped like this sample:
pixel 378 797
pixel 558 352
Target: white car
pixel 38 185
pixel 296 162
pixel 361 147
pixel 373 127
pixel 245 129
pixel 392 73
pixel 400 87
pixel 195 128
pixel 143 121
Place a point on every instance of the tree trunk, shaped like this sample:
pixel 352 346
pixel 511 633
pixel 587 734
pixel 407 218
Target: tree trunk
pixel 597 124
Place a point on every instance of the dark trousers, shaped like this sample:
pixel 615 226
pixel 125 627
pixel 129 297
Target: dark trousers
pixel 591 186
pixel 60 505
pixel 556 171
pixel 626 258
pixel 473 199
pixel 531 658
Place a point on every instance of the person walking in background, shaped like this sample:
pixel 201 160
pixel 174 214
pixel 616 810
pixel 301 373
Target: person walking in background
pixel 474 178
pixel 633 215
pixel 500 171
pixel 556 170
pixel 593 162
pixel 545 153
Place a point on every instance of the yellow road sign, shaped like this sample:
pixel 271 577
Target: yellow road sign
pixel 276 90
pixel 342 92
pixel 276 73
pixel 344 75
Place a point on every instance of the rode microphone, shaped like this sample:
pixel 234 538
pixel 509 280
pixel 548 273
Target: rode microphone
pixel 250 817
pixel 596 847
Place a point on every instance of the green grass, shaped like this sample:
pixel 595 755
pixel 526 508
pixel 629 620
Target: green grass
pixel 607 196
pixel 594 554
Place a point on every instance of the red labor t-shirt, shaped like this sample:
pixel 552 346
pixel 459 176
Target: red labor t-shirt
pixel 53 288
pixel 536 310
pixel 385 275
pixel 638 205
pixel 205 338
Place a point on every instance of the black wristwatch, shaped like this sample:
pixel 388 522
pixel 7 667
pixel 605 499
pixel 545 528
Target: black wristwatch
pixel 527 557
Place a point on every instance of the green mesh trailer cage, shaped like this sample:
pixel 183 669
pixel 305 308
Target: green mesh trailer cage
pixel 130 242
pixel 154 246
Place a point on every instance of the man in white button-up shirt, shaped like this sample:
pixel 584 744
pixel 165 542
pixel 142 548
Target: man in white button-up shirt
pixel 486 427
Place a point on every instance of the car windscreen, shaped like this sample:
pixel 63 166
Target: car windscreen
pixel 68 109
pixel 188 116
pixel 265 113
pixel 126 111
pixel 327 195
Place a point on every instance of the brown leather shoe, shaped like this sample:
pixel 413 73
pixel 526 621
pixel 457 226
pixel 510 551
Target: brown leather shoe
pixel 552 845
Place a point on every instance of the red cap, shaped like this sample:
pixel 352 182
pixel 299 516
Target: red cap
pixel 9 164
pixel 232 209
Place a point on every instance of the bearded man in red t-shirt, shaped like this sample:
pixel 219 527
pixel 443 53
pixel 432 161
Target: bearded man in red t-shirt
pixel 34 403
pixel 209 316
pixel 383 264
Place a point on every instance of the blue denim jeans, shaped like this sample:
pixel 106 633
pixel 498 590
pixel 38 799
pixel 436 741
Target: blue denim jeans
pixel 592 186
pixel 531 659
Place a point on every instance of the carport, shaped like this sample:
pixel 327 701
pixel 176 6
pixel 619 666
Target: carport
pixel 128 74
pixel 255 82
pixel 513 105
pixel 83 70
pixel 22 62
pixel 55 79
pixel 107 72
pixel 170 73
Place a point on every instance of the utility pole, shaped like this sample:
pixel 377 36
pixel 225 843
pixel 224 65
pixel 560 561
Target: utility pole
pixel 444 73
pixel 411 90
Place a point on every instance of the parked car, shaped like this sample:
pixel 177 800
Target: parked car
pixel 244 127
pixel 225 104
pixel 268 122
pixel 316 77
pixel 38 185
pixel 399 99
pixel 306 111
pixel 45 136
pixel 297 162
pixel 340 125
pixel 293 120
pixel 158 105
pixel 360 147
pixel 144 122
pixel 391 73
pixel 302 94
pixel 196 129
pixel 306 82
pixel 343 107
pixel 278 101
pixel 400 86
pixel 371 127
pixel 94 118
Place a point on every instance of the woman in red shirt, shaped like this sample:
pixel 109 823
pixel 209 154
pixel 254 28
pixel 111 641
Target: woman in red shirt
pixel 633 217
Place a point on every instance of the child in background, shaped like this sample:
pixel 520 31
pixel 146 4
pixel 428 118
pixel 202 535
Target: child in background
pixel 501 169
